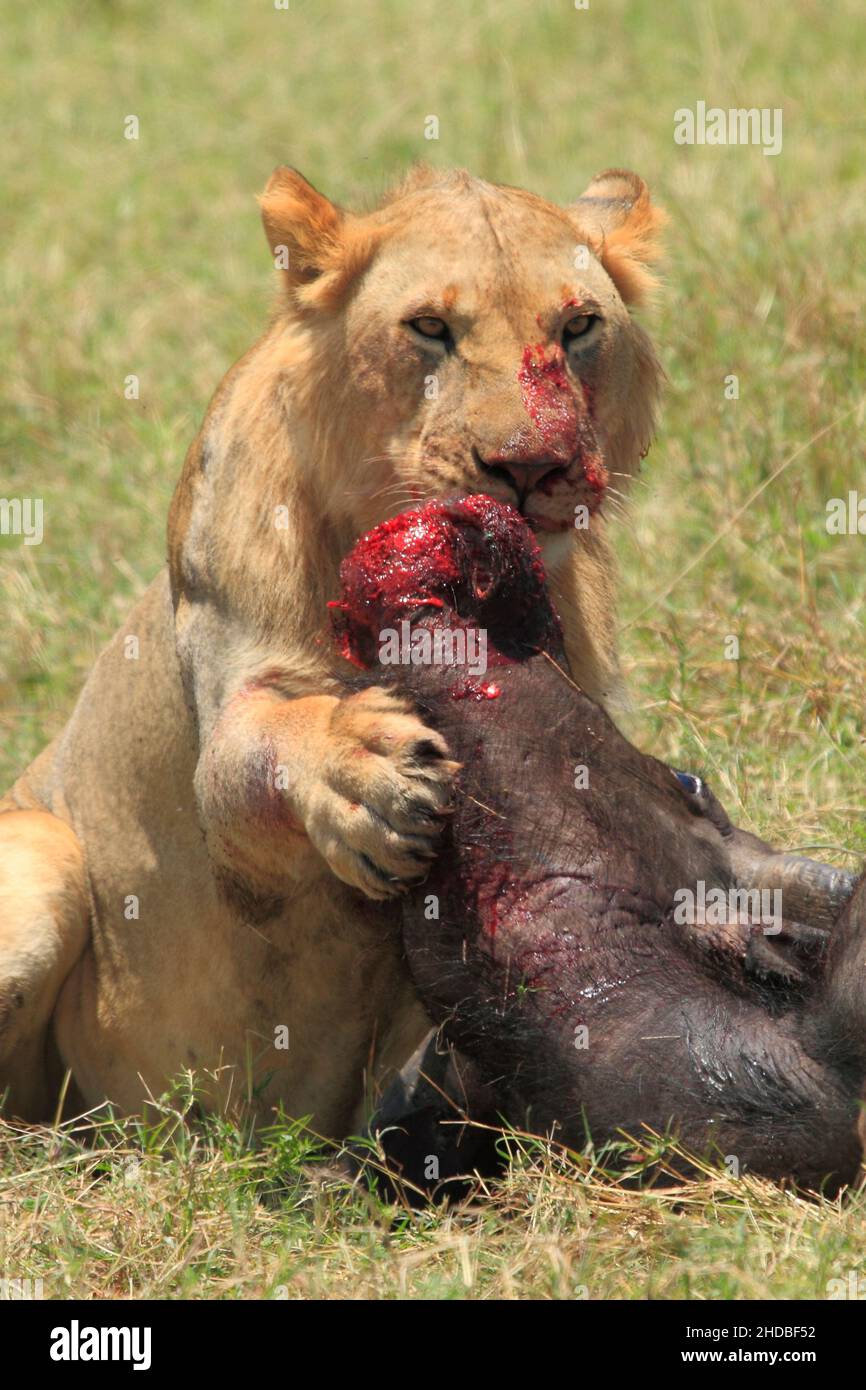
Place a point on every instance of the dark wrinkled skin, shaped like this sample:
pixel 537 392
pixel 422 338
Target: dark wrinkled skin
pixel 556 913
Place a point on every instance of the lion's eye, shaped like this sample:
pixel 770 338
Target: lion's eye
pixel 430 327
pixel 578 327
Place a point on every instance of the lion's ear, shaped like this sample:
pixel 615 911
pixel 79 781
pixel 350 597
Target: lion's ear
pixel 623 229
pixel 302 226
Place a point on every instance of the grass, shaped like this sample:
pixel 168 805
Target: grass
pixel 145 257
pixel 186 1208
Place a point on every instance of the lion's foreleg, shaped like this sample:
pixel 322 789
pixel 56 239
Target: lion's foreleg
pixel 44 924
pixel 358 781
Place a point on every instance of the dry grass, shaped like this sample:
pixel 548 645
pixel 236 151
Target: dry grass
pixel 188 1209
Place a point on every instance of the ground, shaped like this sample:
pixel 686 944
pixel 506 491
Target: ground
pixel 145 258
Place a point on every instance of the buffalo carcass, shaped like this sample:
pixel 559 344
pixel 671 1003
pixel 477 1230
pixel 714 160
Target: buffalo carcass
pixel 563 940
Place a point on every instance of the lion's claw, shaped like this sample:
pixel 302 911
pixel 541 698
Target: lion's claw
pixel 382 801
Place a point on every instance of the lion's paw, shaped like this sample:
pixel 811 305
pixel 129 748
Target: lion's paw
pixel 378 808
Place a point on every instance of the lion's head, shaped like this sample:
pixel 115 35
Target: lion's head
pixel 466 337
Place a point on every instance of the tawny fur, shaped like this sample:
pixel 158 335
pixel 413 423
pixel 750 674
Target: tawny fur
pixel 225 825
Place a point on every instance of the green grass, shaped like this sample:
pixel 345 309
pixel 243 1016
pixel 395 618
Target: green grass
pixel 146 257
pixel 187 1208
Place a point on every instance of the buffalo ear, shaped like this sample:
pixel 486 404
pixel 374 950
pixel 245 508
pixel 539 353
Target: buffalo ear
pixel 623 228
pixel 302 226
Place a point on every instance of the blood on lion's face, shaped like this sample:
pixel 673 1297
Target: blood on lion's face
pixel 483 337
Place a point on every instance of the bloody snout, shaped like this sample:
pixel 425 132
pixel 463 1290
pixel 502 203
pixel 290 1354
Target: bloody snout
pixel 552 435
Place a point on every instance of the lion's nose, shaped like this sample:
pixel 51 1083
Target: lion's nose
pixel 525 473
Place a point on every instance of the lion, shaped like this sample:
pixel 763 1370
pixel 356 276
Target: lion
pixel 199 871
